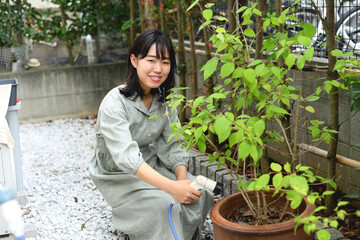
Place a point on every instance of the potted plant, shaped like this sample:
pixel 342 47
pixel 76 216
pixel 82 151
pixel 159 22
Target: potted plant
pixel 234 125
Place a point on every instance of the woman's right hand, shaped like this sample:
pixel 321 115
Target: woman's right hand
pixel 182 192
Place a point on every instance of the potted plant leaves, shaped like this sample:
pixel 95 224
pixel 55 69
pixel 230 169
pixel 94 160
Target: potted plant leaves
pixel 234 126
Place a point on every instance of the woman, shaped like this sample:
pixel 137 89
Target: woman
pixel 137 170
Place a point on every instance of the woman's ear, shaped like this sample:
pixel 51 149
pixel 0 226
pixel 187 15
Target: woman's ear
pixel 133 60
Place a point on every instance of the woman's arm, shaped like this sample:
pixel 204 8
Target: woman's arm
pixel 181 172
pixel 180 190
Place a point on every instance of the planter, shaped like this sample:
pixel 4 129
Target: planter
pixel 226 230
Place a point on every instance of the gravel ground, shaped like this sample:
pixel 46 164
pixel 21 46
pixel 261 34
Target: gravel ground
pixel 63 201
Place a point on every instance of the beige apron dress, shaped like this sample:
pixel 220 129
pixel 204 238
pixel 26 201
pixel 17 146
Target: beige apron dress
pixel 125 138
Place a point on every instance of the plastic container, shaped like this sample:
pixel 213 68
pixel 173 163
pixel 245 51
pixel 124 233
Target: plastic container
pixel 13 95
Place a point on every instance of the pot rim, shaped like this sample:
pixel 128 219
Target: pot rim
pixel 221 222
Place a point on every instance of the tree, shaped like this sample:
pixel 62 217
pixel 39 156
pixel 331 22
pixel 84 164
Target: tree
pixel 181 54
pixel 190 31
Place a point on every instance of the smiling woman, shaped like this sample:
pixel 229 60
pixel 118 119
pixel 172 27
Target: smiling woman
pixel 152 71
pixel 138 170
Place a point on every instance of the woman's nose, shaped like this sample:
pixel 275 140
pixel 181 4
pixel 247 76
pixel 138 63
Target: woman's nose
pixel 157 67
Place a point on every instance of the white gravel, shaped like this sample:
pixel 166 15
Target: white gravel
pixel 63 201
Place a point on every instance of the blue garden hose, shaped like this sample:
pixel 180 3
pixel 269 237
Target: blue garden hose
pixel 171 223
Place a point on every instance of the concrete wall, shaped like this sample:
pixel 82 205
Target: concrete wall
pixel 65 91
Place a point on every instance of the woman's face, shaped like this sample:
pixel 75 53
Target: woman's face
pixel 151 71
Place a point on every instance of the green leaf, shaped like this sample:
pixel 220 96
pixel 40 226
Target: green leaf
pixel 153 116
pixel 287 167
pixel 299 184
pixel 322 234
pixel 358 213
pixel 262 181
pixel 337 53
pixel 275 167
pixel 236 137
pixel 277 180
pixel 318 90
pixel 201 144
pixel 198 133
pixel 244 149
pixel 334 224
pixel 227 69
pixel 254 152
pixel 339 64
pixel 290 60
pixel 196 103
pixel 237 73
pixel 192 5
pixel 249 75
pixel 207 14
pixel 342 203
pixel 276 109
pixel 259 127
pixel 310 109
pixel 309 53
pixel 249 32
pixel 210 67
pixel 312 98
pixel 306 41
pixel 241 9
pixel 311 199
pixel 222 128
pixel 295 198
pixel 352 196
pixel 255 62
pixel 309 30
pixel 301 62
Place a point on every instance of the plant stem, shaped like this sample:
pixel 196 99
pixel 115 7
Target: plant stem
pixel 284 211
pixel 295 157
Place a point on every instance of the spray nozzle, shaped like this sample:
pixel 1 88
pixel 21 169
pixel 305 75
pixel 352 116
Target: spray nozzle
pixel 204 182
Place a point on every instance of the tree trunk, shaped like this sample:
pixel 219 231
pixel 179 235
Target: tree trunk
pixel 63 22
pixel 132 23
pixel 181 56
pixel 162 16
pixel 210 81
pixel 148 23
pixel 264 160
pixel 259 29
pixel 334 103
pixel 19 35
pixel 194 78
pixel 141 13
pixel 232 7
pixel 285 120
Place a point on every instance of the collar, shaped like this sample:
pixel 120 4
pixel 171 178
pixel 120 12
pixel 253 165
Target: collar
pixel 139 105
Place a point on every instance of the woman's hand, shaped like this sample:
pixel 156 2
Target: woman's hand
pixel 182 192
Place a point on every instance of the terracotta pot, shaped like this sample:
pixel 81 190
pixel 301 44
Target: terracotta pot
pixel 226 230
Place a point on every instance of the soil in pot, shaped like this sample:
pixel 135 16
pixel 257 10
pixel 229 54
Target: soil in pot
pixel 242 215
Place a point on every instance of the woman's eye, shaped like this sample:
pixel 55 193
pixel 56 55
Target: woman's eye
pixel 150 60
pixel 166 63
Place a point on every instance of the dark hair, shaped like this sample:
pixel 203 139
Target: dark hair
pixel 140 49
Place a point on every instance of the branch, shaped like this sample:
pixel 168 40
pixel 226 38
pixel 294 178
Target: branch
pixel 320 16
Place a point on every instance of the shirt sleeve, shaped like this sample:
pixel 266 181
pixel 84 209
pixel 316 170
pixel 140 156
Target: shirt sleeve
pixel 171 153
pixel 114 128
